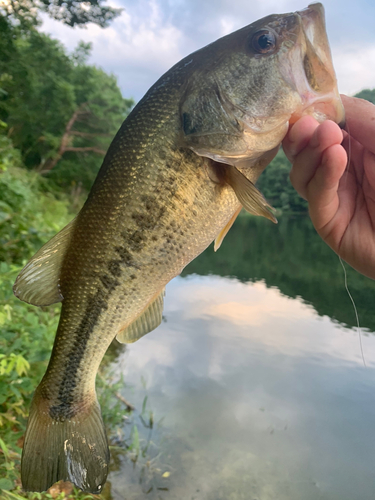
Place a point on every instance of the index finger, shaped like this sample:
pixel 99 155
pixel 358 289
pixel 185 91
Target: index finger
pixel 360 119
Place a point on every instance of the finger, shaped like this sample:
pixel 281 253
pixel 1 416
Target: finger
pixel 306 162
pixel 369 186
pixel 322 190
pixel 369 166
pixel 360 120
pixel 299 136
pixel 355 152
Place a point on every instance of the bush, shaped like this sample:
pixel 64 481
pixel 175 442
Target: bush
pixel 29 215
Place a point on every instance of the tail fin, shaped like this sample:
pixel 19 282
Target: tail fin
pixel 74 449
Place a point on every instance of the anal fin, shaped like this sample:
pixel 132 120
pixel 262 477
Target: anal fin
pixel 220 237
pixel 147 321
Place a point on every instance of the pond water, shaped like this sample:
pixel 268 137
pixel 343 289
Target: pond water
pixel 255 380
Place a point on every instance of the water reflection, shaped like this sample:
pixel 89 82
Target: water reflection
pixel 292 257
pixel 261 396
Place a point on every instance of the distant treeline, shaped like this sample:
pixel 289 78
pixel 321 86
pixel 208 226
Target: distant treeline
pixel 301 266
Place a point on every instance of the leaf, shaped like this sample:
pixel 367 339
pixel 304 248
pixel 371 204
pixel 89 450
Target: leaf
pixel 166 474
pixel 6 484
pixel 144 404
pixel 4 447
pixel 135 442
pixel 11 363
pixel 8 310
pixel 22 365
pixel 15 391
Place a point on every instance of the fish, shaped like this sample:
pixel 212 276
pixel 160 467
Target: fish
pixel 178 172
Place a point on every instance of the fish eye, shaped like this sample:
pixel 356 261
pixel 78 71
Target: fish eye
pixel 263 42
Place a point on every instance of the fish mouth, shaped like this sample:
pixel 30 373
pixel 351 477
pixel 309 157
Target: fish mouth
pixel 327 107
pixel 314 80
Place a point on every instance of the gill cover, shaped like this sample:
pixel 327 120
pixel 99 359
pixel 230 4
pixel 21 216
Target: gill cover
pixel 210 127
pixel 208 122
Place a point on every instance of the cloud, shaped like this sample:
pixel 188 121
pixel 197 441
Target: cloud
pixel 137 49
pixel 152 35
pixel 215 313
pixel 354 68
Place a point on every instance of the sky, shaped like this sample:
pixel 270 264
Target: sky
pixel 151 35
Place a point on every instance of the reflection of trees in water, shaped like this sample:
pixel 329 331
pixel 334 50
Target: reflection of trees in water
pixel 292 257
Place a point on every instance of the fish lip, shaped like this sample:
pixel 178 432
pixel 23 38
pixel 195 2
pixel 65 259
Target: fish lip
pixel 328 107
pixel 311 9
pixel 314 81
pixel 311 17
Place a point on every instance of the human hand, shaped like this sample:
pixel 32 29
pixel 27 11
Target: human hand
pixel 341 194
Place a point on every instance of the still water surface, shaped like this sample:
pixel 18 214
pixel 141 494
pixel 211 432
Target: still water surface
pixel 255 379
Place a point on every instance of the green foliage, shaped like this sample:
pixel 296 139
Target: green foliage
pixel 275 185
pixel 29 215
pixel 70 12
pixel 367 94
pixel 9 156
pixel 76 13
pixel 25 346
pixel 58 109
pixel 102 111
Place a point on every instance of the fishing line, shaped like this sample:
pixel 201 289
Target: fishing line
pixel 355 310
pixel 349 153
pixel 347 129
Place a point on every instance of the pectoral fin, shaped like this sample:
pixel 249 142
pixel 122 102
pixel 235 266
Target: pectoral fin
pixel 248 195
pixel 150 318
pixel 38 282
pixel 220 237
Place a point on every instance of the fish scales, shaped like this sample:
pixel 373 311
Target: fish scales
pixel 150 239
pixel 175 177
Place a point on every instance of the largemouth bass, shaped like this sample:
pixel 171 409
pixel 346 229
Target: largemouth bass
pixel 175 177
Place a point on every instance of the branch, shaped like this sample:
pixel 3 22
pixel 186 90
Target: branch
pixel 123 400
pixel 86 134
pixel 67 139
pixel 89 148
pixel 79 111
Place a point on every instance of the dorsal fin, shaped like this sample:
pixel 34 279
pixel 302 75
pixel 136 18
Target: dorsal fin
pixel 150 318
pixel 39 281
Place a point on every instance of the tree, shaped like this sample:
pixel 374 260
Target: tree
pixel 61 112
pixel 275 185
pixel 70 12
pixel 367 94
